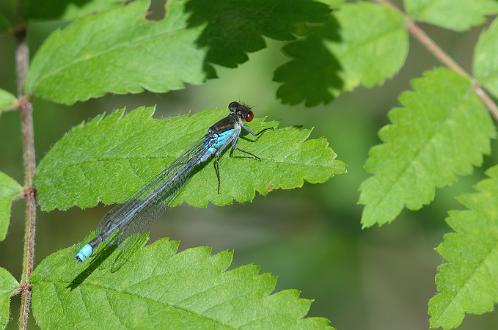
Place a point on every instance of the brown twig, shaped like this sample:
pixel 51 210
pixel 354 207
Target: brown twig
pixel 444 58
pixel 26 112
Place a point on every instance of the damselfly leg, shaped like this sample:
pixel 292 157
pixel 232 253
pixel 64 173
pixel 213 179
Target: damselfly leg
pixel 250 131
pixel 217 170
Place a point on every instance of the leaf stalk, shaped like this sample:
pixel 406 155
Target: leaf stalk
pixel 444 58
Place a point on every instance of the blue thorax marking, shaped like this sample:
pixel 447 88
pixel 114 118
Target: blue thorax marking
pixel 223 138
pixel 215 142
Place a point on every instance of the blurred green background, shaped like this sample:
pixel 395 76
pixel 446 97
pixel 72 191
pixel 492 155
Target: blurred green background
pixel 380 278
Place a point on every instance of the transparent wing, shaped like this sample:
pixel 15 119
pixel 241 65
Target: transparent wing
pixel 152 199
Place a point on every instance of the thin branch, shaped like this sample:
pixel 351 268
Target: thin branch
pixel 26 112
pixel 444 58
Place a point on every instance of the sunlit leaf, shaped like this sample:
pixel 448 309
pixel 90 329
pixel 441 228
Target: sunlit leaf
pixel 7 286
pixel 159 288
pixel 9 189
pixel 111 157
pixel 456 15
pixel 467 282
pixel 440 133
pixel 118 51
pixel 372 46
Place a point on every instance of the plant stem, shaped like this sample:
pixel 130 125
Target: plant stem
pixel 444 58
pixel 26 112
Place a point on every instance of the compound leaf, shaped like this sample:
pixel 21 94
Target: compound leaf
pixel 9 190
pixel 455 15
pixel 485 58
pixel 7 286
pixel 159 287
pixel 467 282
pixel 111 157
pixel 440 133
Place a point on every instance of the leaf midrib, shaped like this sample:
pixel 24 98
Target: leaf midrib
pixel 263 160
pixel 133 294
pixel 467 281
pixel 407 165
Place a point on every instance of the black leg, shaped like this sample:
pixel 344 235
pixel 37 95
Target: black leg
pixel 217 170
pixel 248 130
pixel 246 152
pixel 264 130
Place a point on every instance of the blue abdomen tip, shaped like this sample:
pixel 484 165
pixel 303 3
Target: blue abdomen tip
pixel 84 253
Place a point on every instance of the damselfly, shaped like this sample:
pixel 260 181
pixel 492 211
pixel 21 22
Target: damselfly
pixel 128 218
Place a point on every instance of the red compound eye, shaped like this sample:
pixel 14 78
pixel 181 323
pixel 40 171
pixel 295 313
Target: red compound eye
pixel 249 116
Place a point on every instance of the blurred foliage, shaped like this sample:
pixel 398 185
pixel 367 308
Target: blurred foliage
pixel 375 279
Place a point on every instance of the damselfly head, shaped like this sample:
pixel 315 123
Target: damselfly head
pixel 241 110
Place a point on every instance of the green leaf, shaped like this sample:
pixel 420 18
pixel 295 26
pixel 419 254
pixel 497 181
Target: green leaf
pixel 373 44
pixel 7 100
pixel 467 282
pixel 440 133
pixel 312 76
pixel 111 157
pixel 455 15
pixel 8 284
pixel 118 51
pixel 485 58
pixel 9 190
pixel 159 287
